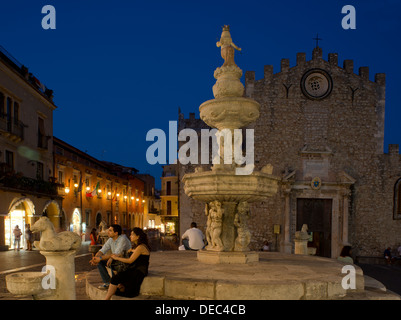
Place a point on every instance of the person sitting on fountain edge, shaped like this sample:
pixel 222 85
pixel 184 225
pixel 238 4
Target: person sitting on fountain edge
pixel 117 244
pixel 127 283
pixel 193 238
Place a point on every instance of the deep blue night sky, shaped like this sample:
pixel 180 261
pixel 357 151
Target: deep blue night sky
pixel 120 68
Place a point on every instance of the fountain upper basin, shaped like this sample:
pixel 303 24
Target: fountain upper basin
pixel 229 112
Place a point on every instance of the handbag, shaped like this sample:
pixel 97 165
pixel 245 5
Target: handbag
pixel 119 266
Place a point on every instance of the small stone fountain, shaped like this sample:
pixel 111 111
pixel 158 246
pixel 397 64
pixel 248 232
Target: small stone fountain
pixel 226 193
pixel 103 235
pixel 59 250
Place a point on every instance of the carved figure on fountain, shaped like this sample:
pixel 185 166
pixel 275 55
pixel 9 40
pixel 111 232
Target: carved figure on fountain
pixel 241 223
pixel 216 213
pixel 52 241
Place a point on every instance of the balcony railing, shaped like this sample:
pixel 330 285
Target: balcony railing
pixel 15 181
pixel 169 193
pixel 165 212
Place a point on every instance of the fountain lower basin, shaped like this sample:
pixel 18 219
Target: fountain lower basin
pixel 25 283
pixel 225 186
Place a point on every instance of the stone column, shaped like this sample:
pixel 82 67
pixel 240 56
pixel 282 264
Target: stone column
pixel 64 265
pixel 335 228
pixel 287 226
pixel 3 246
pixel 345 217
pixel 228 233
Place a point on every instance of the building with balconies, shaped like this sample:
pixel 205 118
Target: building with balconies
pixel 96 191
pixel 27 186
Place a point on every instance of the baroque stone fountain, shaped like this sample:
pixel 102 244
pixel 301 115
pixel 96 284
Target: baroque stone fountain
pixel 228 188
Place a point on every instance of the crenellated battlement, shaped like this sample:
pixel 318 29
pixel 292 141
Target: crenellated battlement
pixel 348 67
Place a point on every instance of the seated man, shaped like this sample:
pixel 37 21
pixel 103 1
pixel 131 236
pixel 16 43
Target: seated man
pixel 117 244
pixel 388 256
pixel 193 238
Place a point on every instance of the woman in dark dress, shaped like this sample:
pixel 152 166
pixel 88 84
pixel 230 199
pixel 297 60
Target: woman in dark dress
pixel 128 283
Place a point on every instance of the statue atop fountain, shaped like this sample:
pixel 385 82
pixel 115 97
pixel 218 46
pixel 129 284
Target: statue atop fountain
pixel 228 189
pixel 227 47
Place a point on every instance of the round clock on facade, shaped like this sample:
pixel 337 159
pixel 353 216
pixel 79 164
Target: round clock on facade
pixel 316 84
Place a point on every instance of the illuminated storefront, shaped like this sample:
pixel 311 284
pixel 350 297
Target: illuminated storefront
pixel 76 222
pixel 169 224
pixel 15 218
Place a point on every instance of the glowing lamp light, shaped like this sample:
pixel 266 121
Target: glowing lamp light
pixel 67 190
pixel 76 185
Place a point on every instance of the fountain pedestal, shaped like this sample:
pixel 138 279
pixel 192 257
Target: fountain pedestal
pixel 64 265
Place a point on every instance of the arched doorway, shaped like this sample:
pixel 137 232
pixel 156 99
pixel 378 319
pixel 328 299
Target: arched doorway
pixel 98 219
pixel 76 221
pixel 20 213
pixel 52 211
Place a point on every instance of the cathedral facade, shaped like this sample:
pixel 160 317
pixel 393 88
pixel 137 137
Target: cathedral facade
pixel 321 127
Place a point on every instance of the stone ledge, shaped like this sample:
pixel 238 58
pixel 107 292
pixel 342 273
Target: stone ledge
pixel 178 275
pixel 159 288
pixel 215 257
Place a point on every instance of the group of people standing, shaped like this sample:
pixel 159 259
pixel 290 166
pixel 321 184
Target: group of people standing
pixel 17 233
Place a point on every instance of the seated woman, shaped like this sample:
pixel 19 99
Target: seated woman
pixel 345 255
pixel 128 283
